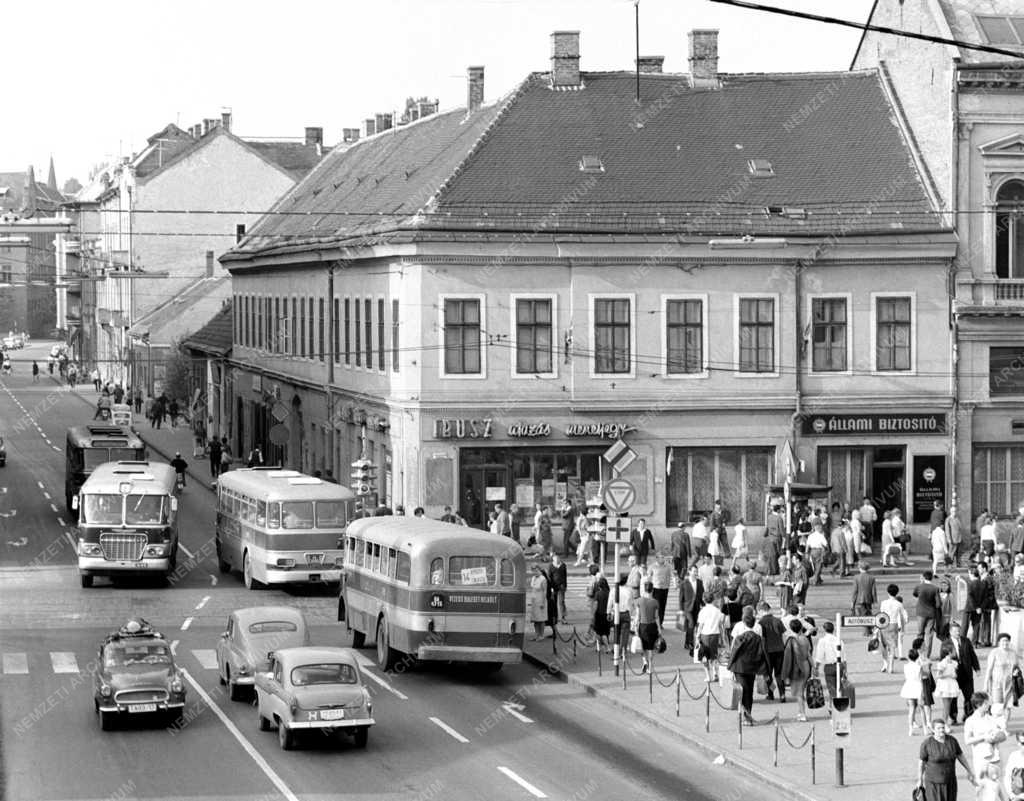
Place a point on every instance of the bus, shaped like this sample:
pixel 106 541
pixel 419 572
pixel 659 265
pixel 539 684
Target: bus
pixel 91 445
pixel 280 526
pixel 127 521
pixel 433 591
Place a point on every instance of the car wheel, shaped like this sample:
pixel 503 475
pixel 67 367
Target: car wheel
pixel 221 674
pixel 285 737
pixel 175 717
pixel 235 691
pixel 86 580
pixel 358 639
pixel 106 720
pixel 247 577
pixel 386 655
pixel 261 722
pixel 362 735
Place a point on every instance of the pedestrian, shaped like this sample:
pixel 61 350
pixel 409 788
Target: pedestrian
pixel 710 632
pixel 35 372
pixel 891 634
pixel 746 661
pixel 558 581
pixel 945 608
pixel 620 606
pixel 514 520
pixel 865 594
pixel 661 581
pixel 699 538
pixel 585 539
pixel 954 534
pixel 939 548
pixel 927 595
pixel 937 516
pixel 912 691
pixel 225 456
pixel 826 657
pixel 537 602
pixel 987 538
pixel 990 786
pixel 946 689
pixel 983 732
pixel 680 550
pixel 118 393
pixel 503 523
pixel 94 376
pixel 937 764
pixel 635 576
pixel 900 532
pixel 797 665
pixel 816 548
pixel 999 673
pixel 447 517
pixel 172 410
pixel 641 542
pixel 773 635
pixel 837 544
pixel 179 466
pixel 868 518
pixel 691 594
pixel 648 627
pixel 784 582
pixel 800 577
pixel 1013 773
pixel 989 605
pixel 215 454
pixel 768 557
pixel 601 620
pixel 544 538
pixel 159 412
pixel 971 617
pixel 739 542
pixel 255 457
pixel 137 400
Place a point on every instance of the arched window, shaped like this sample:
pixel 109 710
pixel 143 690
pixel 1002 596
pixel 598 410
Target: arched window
pixel 1010 230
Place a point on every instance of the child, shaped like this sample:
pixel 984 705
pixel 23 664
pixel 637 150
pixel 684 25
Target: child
pixel 989 787
pixel 911 692
pixel 739 542
pixel 899 635
pixel 784 583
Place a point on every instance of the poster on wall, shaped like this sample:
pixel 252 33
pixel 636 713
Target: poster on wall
pixel 929 484
pixel 547 490
pixel 593 489
pixel 574 492
pixel 524 494
pixel 561 493
pixel 494 493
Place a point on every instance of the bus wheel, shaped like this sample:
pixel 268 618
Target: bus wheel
pixel 222 565
pixel 250 582
pixel 358 639
pixel 386 655
pixel 86 580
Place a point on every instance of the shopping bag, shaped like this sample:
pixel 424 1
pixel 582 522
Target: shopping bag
pixel 814 693
pixel 636 646
pixel 731 691
pixel 660 646
pixel 849 691
pixel 761 685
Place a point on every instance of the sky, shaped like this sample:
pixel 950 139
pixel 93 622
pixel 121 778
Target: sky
pixel 95 79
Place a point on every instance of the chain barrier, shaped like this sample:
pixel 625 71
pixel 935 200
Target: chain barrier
pixel 675 677
pixel 789 742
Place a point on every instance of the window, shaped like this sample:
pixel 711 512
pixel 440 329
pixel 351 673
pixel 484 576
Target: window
pixel 320 329
pixel 311 331
pixel 276 334
pixel 437 570
pixel 534 335
pixel 330 514
pixel 359 549
pixel 1010 230
pixel 404 570
pixel 274 515
pixel 385 560
pixel 348 332
pixel 394 335
pixel 508 573
pixel 302 326
pixel 237 317
pixel 469 570
pixel 239 232
pixel 462 336
pixel 368 322
pixel 375 564
pixel 258 303
pixel 296 514
pixel 268 306
pixel 6 274
pixel 335 334
pixel 1001 30
pixel 245 314
pixel 998 478
pixel 295 327
pixel 892 336
pixel 358 347
pixel 684 336
pixel 261 513
pixel 757 335
pixel 380 335
pixel 612 335
pixel 1006 371
pixel 828 335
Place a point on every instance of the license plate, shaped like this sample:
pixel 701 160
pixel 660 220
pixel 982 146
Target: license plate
pixel 142 707
pixel 314 558
pixel 332 714
pixel 314 577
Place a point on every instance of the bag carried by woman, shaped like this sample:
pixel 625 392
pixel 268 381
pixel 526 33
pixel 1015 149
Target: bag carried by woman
pixel 814 693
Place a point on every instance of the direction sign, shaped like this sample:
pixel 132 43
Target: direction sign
pixel 619 456
pixel 619 495
pixel 618 530
pixel 881 620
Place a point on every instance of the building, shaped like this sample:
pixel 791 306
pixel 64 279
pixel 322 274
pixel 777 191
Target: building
pixel 486 299
pixel 187 193
pixel 210 348
pixel 965 111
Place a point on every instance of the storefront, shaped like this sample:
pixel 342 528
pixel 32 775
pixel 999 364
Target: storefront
pixel 997 460
pixel 898 460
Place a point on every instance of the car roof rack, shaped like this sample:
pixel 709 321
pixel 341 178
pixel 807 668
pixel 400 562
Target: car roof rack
pixel 136 627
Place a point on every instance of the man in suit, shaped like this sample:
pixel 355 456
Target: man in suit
pixel 966 666
pixel 928 607
pixel 773 634
pixel 865 595
pixel 970 622
pixel 988 604
pixel 680 550
pixel 691 595
pixel 641 542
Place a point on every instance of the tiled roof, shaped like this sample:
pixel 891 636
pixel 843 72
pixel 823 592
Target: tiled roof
pixel 676 163
pixel 217 336
pixel 187 311
pixel 295 158
pixel 47 198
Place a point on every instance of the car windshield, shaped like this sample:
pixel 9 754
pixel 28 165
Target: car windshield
pixel 297 514
pixel 102 509
pixel 333 673
pixel 330 514
pixel 145 509
pixel 147 653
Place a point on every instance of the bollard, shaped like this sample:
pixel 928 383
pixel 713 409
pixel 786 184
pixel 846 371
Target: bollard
pixel 739 726
pixel 625 670
pixel 814 777
pixel 707 708
pixel 650 681
pixel 839 767
pixel 679 689
pixel 616 656
pixel 775 744
pixel 600 671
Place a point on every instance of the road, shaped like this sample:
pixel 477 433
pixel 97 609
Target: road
pixel 440 733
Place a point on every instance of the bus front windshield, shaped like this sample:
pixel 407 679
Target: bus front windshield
pixel 102 509
pixel 145 509
pixel 297 514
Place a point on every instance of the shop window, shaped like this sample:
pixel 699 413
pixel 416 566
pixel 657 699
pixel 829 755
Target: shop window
pixel 612 346
pixel 534 336
pixel 844 469
pixel 320 339
pixel 358 346
pixel 462 336
pixel 892 333
pixel 828 334
pixel 368 309
pixel 998 479
pixel 695 477
pixel 684 336
pixel 757 335
pixel 1006 371
pixel 1010 230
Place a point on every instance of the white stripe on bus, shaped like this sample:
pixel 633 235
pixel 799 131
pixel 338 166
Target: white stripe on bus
pixel 408 620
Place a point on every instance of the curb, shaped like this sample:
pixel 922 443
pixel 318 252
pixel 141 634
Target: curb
pixel 694 742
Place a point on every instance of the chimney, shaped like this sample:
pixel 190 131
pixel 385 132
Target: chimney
pixel 474 88
pixel 349 135
pixel 225 119
pixel 314 136
pixel 704 57
pixel 198 130
pixel 428 107
pixel 209 264
pixel 650 64
pixel 565 60
pixel 206 125
pixel 384 122
pixel 370 126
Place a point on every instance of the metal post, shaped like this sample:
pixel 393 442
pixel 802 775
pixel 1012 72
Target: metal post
pixel 617 655
pixel 775 744
pixel 739 725
pixel 554 638
pixel 839 767
pixel 814 730
pixel 600 671
pixel 650 681
pixel 624 672
pixel 707 708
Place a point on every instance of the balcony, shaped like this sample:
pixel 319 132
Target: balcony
pixel 989 292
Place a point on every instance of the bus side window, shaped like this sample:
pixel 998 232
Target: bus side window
pixel 274 515
pixel 247 510
pixel 351 545
pixel 437 571
pixel 357 548
pixel 376 557
pixel 392 562
pixel 404 571
pixel 385 561
pixel 508 573
pixel 368 559
pixel 261 513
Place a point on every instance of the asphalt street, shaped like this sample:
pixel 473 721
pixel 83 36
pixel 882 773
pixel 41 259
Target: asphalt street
pixel 440 732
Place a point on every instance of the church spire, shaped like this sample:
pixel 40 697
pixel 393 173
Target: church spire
pixel 51 179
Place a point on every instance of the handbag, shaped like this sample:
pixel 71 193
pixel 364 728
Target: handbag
pixel 1017 680
pixel 761 684
pixel 917 794
pixel 874 643
pixel 660 646
pixel 814 693
pixel 636 646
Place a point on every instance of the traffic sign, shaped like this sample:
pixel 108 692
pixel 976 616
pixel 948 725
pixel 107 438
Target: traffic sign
pixel 619 495
pixel 618 530
pixel 866 620
pixel 619 456
pixel 881 620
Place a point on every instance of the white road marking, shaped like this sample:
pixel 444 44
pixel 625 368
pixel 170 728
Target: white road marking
pixel 207 657
pixel 513 710
pixel 202 603
pixel 63 662
pixel 522 782
pixel 365 665
pixel 42 486
pixel 213 580
pixel 56 448
pixel 47 496
pixel 15 663
pixel 186 551
pixel 249 748
pixel 445 727
pixel 71 540
pixel 61 521
pixel 174 647
pixel 186 624
pixel 21 542
pixel 55 509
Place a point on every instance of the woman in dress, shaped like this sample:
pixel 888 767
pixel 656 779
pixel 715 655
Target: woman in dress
pixel 784 583
pixel 911 693
pixel 937 764
pixel 601 621
pixel 537 602
pixel 583 549
pixel 999 673
pixel 648 629
pixel 797 665
pixel 946 688
pixel 544 531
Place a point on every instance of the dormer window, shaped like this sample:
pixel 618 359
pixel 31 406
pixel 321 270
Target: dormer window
pixel 1010 230
pixel 1000 29
pixel 760 168
pixel 591 164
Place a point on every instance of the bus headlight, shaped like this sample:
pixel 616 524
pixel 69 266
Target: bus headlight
pixel 285 563
pixel 156 550
pixel 89 549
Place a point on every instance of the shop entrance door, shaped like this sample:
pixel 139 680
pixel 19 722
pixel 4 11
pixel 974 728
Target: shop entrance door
pixel 481 489
pixel 888 486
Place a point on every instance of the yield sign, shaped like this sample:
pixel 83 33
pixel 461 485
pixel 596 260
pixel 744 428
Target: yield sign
pixel 619 495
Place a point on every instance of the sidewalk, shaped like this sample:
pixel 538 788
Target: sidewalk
pixel 880 757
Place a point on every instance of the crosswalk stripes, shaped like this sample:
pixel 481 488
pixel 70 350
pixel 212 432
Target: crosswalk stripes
pixel 63 662
pixel 66 662
pixel 15 663
pixel 206 657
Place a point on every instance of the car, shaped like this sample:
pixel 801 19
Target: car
pixel 3 453
pixel 251 634
pixel 136 674
pixel 313 688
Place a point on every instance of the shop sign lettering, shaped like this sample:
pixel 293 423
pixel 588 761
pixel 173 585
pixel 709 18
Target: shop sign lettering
pixel 448 428
pixel 529 430
pixel 846 424
pixel 609 430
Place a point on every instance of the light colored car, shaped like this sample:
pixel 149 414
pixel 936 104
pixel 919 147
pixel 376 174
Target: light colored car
pixel 251 634
pixel 313 688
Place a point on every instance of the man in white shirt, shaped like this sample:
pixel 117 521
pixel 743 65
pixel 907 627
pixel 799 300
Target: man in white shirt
pixel 816 547
pixel 699 539
pixel 987 535
pixel 826 657
pixel 899 531
pixel 706 570
pixel 868 516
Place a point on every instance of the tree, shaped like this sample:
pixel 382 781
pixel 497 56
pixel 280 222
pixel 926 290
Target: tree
pixel 178 372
